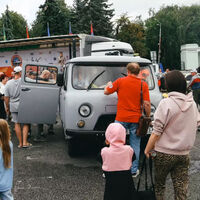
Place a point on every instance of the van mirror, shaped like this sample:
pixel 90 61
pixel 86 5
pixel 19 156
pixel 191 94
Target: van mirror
pixel 60 79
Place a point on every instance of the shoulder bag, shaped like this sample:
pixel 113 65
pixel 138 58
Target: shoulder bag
pixel 144 121
pixel 148 193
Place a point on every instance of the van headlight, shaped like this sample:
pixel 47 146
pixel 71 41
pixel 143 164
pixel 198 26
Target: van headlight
pixel 84 110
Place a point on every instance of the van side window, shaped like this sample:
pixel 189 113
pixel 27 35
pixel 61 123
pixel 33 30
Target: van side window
pixel 146 75
pixel 40 74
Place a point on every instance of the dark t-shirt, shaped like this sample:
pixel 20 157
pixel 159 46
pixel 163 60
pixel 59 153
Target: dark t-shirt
pixel 2 108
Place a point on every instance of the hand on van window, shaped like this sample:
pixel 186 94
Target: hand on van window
pixel 108 85
pixel 47 77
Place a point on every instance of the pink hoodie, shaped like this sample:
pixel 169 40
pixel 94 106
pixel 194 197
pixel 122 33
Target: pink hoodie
pixel 176 120
pixel 117 156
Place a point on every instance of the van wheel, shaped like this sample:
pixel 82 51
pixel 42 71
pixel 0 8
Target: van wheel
pixel 72 147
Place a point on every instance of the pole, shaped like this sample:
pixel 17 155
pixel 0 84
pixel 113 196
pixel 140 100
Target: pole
pixel 159 47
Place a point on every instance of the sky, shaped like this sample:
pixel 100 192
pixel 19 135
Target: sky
pixel 133 8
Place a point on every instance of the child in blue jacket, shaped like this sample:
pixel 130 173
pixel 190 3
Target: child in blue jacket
pixel 6 162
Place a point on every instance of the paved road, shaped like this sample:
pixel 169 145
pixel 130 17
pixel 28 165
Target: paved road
pixel 46 172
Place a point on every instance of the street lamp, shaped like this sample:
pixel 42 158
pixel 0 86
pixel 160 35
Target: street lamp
pixel 159 44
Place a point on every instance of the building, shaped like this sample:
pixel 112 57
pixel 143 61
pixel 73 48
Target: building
pixel 190 56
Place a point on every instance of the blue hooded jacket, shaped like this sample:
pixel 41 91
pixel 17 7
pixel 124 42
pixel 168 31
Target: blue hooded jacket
pixel 6 175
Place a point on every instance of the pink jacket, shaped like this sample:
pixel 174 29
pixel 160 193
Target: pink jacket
pixel 117 156
pixel 176 120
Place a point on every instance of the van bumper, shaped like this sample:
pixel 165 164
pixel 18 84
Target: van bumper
pixel 84 133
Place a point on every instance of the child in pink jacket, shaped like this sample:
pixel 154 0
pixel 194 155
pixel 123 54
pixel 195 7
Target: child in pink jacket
pixel 117 162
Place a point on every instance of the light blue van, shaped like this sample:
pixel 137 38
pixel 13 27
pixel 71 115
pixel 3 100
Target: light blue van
pixel 79 93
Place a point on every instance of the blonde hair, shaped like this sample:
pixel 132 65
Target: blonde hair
pixel 44 73
pixel 133 68
pixel 4 143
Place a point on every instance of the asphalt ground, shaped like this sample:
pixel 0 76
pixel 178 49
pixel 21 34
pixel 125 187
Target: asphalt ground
pixel 46 172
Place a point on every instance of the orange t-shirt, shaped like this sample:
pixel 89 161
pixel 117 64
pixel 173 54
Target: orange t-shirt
pixel 128 91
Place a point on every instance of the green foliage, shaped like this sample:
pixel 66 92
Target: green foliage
pixel 14 24
pixel 78 20
pixel 132 33
pixel 1 29
pixel 170 43
pixel 97 12
pixel 189 23
pixel 8 24
pixel 56 14
pixel 100 14
pixel 180 25
pixel 19 25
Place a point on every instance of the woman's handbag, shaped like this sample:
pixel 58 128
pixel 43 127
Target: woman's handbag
pixel 144 121
pixel 149 192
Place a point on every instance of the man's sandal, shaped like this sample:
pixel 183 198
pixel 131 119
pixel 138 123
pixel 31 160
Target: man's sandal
pixel 27 146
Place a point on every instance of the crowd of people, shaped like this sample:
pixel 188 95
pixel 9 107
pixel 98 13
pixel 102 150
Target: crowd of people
pixel 174 130
pixel 194 84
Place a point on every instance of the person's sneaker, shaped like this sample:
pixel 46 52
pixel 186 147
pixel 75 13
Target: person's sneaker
pixel 134 175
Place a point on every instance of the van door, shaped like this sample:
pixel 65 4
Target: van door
pixel 39 95
pixel 63 91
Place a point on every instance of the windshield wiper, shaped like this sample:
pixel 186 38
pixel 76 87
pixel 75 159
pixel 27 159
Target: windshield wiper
pixel 124 74
pixel 94 79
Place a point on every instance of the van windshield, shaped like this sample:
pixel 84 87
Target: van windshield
pixel 83 76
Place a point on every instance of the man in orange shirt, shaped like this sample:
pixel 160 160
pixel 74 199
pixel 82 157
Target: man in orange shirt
pixel 129 106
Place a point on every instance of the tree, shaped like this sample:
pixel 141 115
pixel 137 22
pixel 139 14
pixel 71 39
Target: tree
pixel 52 12
pixel 170 43
pixel 14 24
pixel 79 24
pixel 132 33
pixel 180 25
pixel 6 19
pixel 97 12
pixel 189 23
pixel 19 25
pixel 1 30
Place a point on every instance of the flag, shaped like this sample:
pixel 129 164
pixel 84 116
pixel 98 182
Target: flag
pixel 91 29
pixel 48 31
pixel 27 34
pixel 161 67
pixel 160 38
pixel 4 33
pixel 70 29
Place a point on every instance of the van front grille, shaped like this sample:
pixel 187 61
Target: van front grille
pixel 103 122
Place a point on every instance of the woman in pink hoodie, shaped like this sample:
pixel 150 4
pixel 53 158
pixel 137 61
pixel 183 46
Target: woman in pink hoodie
pixel 117 162
pixel 174 130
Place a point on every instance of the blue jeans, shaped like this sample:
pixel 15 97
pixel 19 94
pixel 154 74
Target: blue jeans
pixel 7 195
pixel 134 141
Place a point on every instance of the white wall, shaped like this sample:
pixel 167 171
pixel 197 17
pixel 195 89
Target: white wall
pixel 190 56
pixel 34 56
